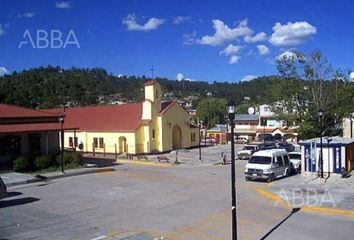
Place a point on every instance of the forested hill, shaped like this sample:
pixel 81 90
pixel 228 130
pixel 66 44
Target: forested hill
pixel 49 87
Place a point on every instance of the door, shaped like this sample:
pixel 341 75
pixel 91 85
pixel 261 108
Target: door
pixel 122 145
pixel 176 137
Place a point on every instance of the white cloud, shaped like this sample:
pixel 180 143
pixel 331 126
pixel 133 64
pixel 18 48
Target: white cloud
pixel 286 55
pixel 180 19
pixel 179 77
pixel 132 25
pixel 26 15
pixel 351 76
pixel 2 31
pixel 234 59
pixel 263 50
pixel 3 71
pixel 292 34
pixel 248 78
pixel 230 50
pixel 189 38
pixel 224 33
pixel 63 4
pixel 257 38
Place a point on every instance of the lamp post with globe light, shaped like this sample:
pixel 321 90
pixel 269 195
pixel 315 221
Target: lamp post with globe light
pixel 231 110
pixel 321 115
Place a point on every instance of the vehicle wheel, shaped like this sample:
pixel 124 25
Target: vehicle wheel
pixel 247 178
pixel 270 178
pixel 298 171
pixel 287 173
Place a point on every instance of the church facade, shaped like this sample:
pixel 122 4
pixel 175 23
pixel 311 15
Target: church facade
pixel 138 128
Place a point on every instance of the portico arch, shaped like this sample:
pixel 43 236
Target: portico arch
pixel 176 137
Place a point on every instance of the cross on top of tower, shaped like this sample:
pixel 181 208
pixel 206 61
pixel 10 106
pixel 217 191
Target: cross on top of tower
pixel 152 69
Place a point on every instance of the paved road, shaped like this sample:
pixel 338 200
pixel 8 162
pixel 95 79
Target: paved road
pixel 144 202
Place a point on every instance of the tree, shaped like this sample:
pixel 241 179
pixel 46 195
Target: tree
pixel 312 84
pixel 212 111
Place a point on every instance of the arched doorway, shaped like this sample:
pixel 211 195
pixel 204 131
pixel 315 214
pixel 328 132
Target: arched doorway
pixel 278 137
pixel 176 137
pixel 122 145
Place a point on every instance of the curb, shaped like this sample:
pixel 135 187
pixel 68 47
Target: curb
pixel 141 162
pixel 60 175
pixel 309 209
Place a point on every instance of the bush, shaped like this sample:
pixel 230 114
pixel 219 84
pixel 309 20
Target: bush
pixel 43 161
pixel 70 158
pixel 21 164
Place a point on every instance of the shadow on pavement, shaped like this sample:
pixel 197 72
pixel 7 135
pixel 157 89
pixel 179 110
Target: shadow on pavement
pixel 100 162
pixel 19 201
pixel 293 211
pixel 13 194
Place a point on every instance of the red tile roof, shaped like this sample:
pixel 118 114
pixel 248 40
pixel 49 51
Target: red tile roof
pixel 31 127
pixel 14 119
pixel 165 106
pixel 150 82
pixel 10 111
pixel 126 117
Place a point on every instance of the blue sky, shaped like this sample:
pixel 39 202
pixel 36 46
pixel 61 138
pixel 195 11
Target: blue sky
pixel 201 40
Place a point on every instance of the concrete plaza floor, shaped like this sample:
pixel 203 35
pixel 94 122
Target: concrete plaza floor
pixel 165 201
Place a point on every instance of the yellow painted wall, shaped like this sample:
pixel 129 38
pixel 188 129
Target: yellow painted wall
pixel 142 141
pixel 111 141
pixel 147 110
pixel 176 116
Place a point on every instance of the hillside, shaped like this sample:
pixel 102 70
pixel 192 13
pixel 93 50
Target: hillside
pixel 49 87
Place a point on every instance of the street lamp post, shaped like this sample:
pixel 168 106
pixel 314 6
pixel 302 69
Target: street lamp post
pixel 321 114
pixel 200 150
pixel 351 125
pixel 61 120
pixel 231 109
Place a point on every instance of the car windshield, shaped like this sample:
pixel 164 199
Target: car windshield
pixel 295 156
pixel 248 148
pixel 260 160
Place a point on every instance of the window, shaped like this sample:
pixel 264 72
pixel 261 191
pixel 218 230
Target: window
pixel 101 143
pixel 260 160
pixel 153 133
pixel 95 142
pixel 75 142
pixel 70 142
pixel 286 159
pixel 193 137
pixel 280 160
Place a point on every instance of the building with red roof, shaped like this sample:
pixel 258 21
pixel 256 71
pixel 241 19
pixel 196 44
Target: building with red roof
pixel 26 131
pixel 135 128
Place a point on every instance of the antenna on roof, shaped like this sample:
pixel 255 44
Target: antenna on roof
pixel 152 69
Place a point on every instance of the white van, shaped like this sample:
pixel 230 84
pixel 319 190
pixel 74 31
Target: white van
pixel 268 165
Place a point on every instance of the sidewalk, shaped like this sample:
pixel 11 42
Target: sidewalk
pixel 313 195
pixel 15 178
pixel 210 155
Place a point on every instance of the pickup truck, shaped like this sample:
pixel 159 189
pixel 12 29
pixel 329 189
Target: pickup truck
pixel 247 151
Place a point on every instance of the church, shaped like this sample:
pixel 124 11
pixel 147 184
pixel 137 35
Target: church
pixel 136 128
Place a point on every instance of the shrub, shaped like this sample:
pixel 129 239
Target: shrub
pixel 43 161
pixel 70 158
pixel 21 164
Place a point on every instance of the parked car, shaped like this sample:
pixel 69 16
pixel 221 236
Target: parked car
pixel 295 159
pixel 208 141
pixel 268 165
pixel 3 190
pixel 242 140
pixel 247 151
pixel 287 146
pixel 268 145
